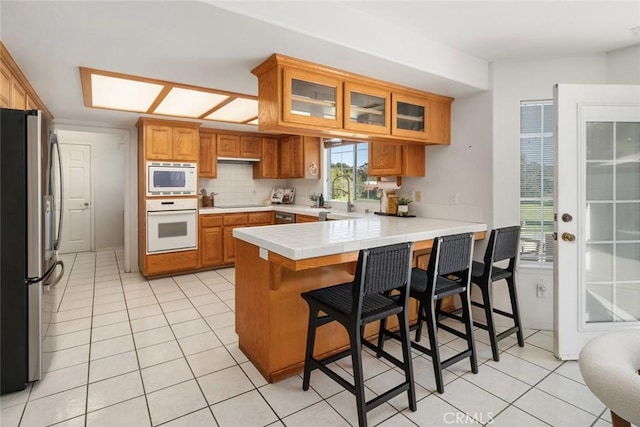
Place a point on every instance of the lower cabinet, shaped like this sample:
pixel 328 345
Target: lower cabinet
pixel 306 218
pixel 172 262
pixel 217 244
pixel 211 240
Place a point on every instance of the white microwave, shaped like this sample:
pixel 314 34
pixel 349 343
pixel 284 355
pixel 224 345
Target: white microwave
pixel 171 179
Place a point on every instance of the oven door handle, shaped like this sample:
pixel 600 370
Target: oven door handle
pixel 175 212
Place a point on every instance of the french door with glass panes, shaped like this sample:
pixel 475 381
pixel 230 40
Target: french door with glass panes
pixel 597 200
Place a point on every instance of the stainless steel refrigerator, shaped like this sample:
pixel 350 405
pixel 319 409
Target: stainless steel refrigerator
pixel 30 229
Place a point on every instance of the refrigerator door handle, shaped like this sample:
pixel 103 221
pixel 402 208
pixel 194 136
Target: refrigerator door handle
pixel 54 141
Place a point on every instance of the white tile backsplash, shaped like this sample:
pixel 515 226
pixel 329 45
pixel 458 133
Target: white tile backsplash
pixel 235 186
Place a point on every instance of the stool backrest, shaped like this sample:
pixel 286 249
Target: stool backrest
pixel 383 269
pixel 450 254
pixel 504 243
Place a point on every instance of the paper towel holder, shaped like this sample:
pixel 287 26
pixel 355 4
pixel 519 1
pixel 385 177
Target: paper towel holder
pixel 398 180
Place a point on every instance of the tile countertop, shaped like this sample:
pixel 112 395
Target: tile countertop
pixel 297 209
pixel 314 239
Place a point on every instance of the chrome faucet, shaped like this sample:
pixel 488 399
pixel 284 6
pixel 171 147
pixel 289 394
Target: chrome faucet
pixel 350 206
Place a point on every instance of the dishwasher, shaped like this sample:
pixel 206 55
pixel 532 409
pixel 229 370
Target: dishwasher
pixel 285 218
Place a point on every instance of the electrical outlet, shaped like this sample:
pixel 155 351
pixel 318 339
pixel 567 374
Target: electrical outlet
pixel 541 290
pixel 453 198
pixel 417 196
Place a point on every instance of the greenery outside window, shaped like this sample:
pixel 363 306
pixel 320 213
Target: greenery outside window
pixel 536 181
pixel 348 173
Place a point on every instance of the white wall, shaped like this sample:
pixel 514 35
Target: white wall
pixel 623 65
pixel 512 82
pixel 462 169
pixel 108 183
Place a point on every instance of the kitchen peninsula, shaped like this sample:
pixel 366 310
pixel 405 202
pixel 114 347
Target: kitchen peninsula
pixel 275 264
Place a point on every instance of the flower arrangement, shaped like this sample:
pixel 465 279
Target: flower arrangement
pixel 404 201
pixel 314 197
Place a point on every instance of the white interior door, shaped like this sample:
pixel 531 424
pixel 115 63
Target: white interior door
pixel 76 231
pixel 597 202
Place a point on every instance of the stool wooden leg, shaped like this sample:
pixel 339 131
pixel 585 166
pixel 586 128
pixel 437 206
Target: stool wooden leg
pixel 488 312
pixel 403 322
pixel 618 421
pixel 311 338
pixel 381 334
pixel 511 281
pixel 468 325
pixel 355 337
pixel 421 318
pixel 432 329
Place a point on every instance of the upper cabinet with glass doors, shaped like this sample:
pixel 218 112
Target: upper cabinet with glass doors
pixel 312 98
pixel 366 108
pixel 304 98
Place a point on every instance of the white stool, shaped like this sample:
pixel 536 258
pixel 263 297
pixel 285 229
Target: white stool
pixel 610 366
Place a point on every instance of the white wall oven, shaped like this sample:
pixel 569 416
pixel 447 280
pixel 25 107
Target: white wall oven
pixel 171 179
pixel 172 225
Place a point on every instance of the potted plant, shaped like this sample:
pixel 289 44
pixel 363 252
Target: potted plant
pixel 314 197
pixel 403 206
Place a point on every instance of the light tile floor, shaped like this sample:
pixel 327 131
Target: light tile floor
pixel 124 351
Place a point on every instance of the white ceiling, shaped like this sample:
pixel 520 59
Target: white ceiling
pixel 443 47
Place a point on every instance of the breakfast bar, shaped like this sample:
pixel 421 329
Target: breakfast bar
pixel 275 264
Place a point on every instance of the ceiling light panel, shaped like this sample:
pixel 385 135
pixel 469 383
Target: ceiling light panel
pixel 123 94
pixel 188 102
pixel 239 110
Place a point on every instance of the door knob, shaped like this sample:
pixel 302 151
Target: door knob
pixel 566 217
pixel 568 237
pixel 86 204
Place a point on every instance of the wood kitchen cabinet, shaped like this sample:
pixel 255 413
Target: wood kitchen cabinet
pixel 169 140
pixel 168 263
pixel 413 160
pixel 312 98
pixel 230 222
pixel 236 220
pixel 217 244
pixel 393 159
pixel 15 90
pixel 267 167
pixel 367 108
pixel 385 159
pixel 228 145
pixel 300 157
pixel 291 157
pixel 211 238
pixel 250 147
pixel 233 145
pixel 207 163
pixel 304 98
pixel 261 218
pixel 306 218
